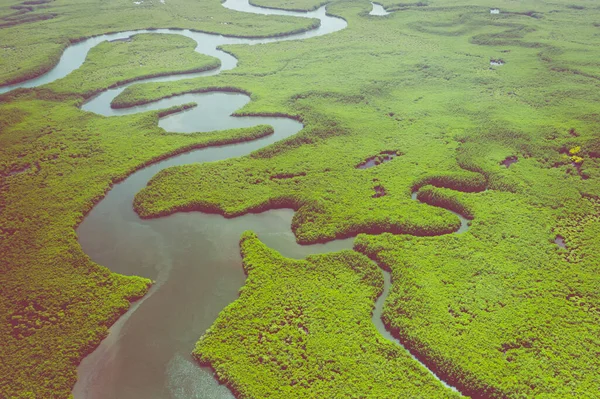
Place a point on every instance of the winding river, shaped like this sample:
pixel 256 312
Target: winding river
pixel 193 257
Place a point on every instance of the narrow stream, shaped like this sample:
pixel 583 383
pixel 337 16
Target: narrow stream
pixel 193 257
pixel 387 285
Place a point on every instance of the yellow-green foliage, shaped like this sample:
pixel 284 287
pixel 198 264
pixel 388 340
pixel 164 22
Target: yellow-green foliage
pixel 575 150
pixel 501 311
pixel 56 305
pixel 146 55
pixel 579 228
pixel 302 329
pixel 576 159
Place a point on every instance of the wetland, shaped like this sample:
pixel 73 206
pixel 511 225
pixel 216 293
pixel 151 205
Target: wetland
pixel 297 199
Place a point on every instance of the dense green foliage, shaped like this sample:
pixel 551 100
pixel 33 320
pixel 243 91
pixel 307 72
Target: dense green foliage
pixel 333 198
pixel 29 49
pixel 146 55
pixel 500 311
pixel 302 329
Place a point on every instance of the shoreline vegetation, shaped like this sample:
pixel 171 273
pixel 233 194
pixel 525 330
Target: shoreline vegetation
pixel 500 311
pixel 427 193
pixel 120 104
pixel 96 76
pixel 46 41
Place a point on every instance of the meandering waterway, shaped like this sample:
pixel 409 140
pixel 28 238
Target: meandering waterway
pixel 193 257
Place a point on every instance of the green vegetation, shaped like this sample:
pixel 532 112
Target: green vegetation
pixel 29 49
pixel 302 329
pixel 333 198
pixel 146 55
pixel 500 311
